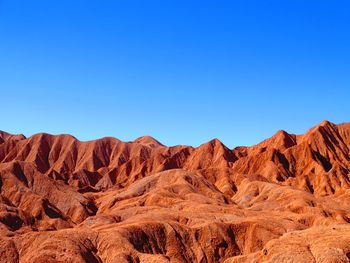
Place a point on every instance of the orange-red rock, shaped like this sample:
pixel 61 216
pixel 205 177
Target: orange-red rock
pixel 286 199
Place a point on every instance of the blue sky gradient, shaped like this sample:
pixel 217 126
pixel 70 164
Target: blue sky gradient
pixel 181 71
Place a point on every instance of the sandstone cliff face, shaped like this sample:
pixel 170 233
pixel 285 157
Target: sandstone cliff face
pixel 283 200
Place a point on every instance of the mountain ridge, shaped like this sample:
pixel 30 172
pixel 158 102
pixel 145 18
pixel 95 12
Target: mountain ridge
pixel 61 198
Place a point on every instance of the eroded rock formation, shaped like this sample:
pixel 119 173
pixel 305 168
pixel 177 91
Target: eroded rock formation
pixel 285 199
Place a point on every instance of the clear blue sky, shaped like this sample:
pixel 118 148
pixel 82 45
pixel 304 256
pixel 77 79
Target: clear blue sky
pixel 181 71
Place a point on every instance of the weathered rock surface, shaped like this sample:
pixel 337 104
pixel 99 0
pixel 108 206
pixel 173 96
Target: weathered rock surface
pixel 286 199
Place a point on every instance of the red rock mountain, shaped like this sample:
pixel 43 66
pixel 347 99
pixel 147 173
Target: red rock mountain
pixel 285 199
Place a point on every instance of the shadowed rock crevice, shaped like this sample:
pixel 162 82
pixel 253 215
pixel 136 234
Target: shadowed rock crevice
pixel 12 221
pixel 151 242
pixel 327 166
pixel 90 255
pixel 50 210
pixel 310 186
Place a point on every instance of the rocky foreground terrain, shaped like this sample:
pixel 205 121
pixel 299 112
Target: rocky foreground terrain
pixel 286 199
